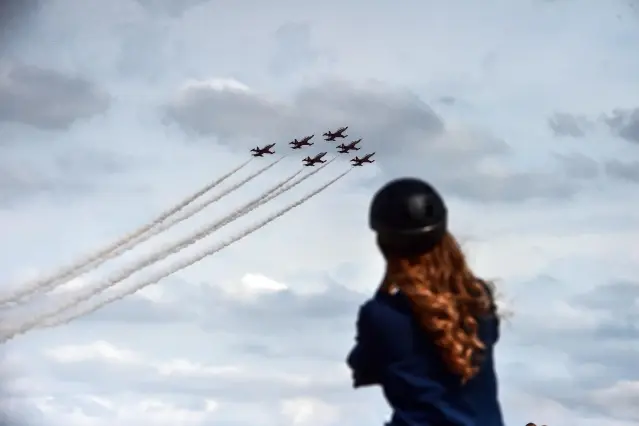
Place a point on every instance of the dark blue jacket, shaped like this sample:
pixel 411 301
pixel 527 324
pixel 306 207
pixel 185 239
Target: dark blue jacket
pixel 394 352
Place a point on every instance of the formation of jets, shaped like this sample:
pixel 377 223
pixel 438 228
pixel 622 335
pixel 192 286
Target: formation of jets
pixel 329 136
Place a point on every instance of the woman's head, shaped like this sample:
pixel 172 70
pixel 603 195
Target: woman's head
pixel 427 265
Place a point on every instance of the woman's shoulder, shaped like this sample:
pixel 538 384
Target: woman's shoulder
pixel 384 307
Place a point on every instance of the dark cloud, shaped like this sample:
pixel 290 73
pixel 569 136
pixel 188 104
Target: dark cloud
pixel 135 310
pixel 628 171
pixel 408 136
pixel 283 337
pixel 171 8
pixel 328 311
pixel 599 349
pixel 302 339
pixel 14 19
pixel 62 173
pixel 293 49
pixel 387 117
pixel 582 167
pixel 47 99
pixel 564 124
pixel 624 123
pixel 619 296
pixel 514 187
pixel 578 166
pixel 448 100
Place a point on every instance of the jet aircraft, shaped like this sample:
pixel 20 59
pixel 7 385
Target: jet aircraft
pixel 295 144
pixel 339 133
pixel 310 162
pixel 344 149
pixel 259 152
pixel 358 162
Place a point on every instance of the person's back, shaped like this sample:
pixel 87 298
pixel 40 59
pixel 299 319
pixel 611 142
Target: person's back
pixel 427 336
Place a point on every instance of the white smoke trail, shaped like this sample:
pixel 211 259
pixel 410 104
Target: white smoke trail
pixel 237 214
pixel 162 254
pixel 171 270
pixel 160 227
pixel 290 186
pixel 89 262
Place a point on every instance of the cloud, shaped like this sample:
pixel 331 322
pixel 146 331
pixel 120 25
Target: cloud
pixel 171 8
pixel 408 136
pixel 582 167
pixel 605 313
pixel 15 16
pixel 622 399
pixel 628 171
pixel 267 352
pixel 294 49
pixel 564 124
pixel 309 411
pixel 579 166
pixel 248 354
pixel 269 356
pixel 46 98
pixel 205 390
pixel 98 350
pixel 63 172
pixel 144 45
pixel 624 123
pixel 255 305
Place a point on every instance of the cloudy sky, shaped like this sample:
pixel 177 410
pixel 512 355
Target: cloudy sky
pixel 524 112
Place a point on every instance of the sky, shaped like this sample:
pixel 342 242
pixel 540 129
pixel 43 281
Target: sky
pixel 525 114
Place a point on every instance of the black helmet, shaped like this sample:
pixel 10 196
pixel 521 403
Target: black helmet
pixel 409 216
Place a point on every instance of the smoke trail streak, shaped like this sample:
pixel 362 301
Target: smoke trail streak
pixel 291 186
pixel 162 226
pixel 88 263
pixel 175 268
pixel 162 254
pixel 237 214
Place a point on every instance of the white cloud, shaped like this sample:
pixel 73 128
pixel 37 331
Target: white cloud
pixel 622 399
pixel 309 411
pixel 98 350
pixel 218 84
pixel 252 285
pixel 184 367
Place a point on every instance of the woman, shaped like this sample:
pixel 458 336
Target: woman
pixel 427 335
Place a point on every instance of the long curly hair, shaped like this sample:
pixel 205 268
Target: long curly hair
pixel 447 299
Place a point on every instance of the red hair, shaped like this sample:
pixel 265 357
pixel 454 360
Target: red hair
pixel 447 300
